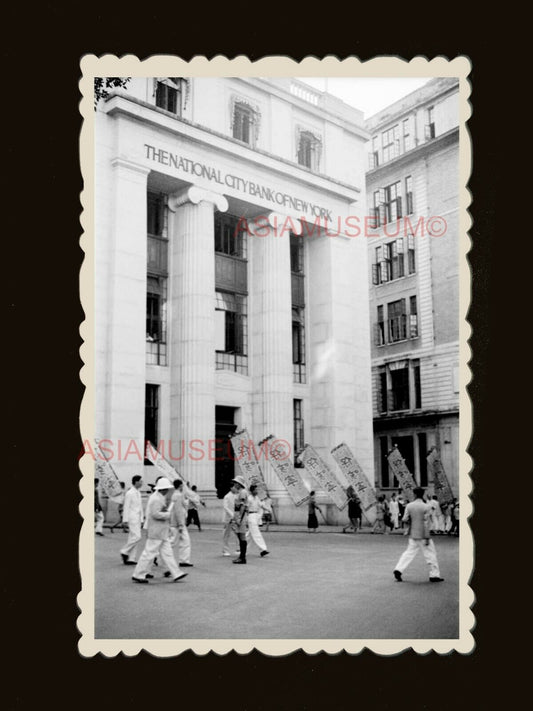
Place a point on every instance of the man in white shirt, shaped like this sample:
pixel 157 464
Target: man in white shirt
pixel 132 518
pixel 178 529
pixel 228 507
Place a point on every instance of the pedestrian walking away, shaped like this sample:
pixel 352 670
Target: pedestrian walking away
pixel 194 502
pixel 98 511
pixel 255 509
pixel 417 515
pixel 158 535
pixel 312 507
pixel 132 520
pixel 240 518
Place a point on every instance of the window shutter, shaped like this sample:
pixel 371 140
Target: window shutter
pixel 384 271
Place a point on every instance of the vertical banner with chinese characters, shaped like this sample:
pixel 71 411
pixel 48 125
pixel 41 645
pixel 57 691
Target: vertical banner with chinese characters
pixel 323 475
pixel 355 475
pixel 401 472
pixel 161 464
pixel 279 458
pixel 244 450
pixel 109 481
pixel 441 485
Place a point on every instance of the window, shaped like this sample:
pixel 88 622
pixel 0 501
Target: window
pixel 380 328
pixel 298 425
pixel 374 156
pixel 245 123
pixel 397 321
pixel 399 386
pixel 309 147
pixel 157 268
pixel 231 332
pixel 151 415
pixel 387 204
pixel 298 345
pixel 411 264
pixel 417 384
pixel 230 235
pixel 406 129
pixel 408 195
pixel 168 94
pixel 390 141
pixel 390 262
pixel 413 318
pixel 430 126
pixel 156 321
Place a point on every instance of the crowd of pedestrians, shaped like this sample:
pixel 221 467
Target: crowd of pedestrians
pixel 173 506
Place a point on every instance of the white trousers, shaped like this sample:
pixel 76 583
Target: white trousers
pixel 134 538
pixel 183 540
pixel 428 551
pixel 226 537
pixel 98 521
pixel 154 547
pixel 254 519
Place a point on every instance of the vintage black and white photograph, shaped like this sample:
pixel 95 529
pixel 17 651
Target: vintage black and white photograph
pixel 275 417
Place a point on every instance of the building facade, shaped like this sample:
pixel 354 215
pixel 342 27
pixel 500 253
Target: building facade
pixel 229 292
pixel 413 199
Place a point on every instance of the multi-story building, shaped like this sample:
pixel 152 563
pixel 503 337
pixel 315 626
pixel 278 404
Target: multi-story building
pixel 228 292
pixel 413 197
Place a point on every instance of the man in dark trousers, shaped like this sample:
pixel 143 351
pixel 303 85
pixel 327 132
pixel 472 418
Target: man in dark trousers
pixel 417 516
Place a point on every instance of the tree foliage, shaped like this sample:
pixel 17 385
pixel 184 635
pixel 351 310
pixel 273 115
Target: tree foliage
pixel 103 85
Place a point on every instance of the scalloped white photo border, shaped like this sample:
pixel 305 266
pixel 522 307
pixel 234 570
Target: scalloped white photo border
pixel 220 66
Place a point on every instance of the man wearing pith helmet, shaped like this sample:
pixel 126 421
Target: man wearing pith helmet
pixel 158 535
pixel 240 520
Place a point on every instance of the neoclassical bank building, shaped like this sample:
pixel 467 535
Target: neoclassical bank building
pixel 231 277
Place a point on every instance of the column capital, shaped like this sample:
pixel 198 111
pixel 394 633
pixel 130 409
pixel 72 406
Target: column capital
pixel 280 223
pixel 195 195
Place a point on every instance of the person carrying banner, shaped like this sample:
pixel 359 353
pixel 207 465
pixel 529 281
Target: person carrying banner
pixel 98 511
pixel 354 510
pixel 312 520
pixel 132 519
pixel 255 508
pixel 240 518
pixel 417 515
pixel 158 535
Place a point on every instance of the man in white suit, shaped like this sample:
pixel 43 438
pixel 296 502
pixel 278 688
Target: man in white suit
pixel 158 535
pixel 132 519
pixel 417 515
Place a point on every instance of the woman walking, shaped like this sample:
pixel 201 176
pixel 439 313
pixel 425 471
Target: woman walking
pixel 312 521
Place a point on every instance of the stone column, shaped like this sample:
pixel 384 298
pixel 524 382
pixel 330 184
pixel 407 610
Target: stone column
pixel 272 366
pixel 192 343
pixel 120 376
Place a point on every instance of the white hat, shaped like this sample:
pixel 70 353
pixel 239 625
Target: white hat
pixel 239 480
pixel 163 483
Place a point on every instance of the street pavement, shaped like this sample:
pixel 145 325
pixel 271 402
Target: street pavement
pixel 326 585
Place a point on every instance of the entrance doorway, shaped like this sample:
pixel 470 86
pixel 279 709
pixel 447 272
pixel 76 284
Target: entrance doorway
pixel 224 461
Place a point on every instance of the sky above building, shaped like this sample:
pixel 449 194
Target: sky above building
pixel 368 94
